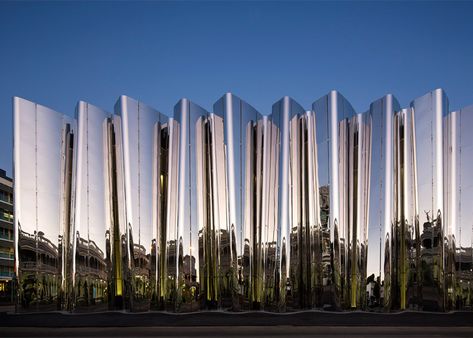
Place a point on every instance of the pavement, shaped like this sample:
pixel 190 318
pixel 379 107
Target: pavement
pixel 240 324
pixel 242 331
pixel 219 318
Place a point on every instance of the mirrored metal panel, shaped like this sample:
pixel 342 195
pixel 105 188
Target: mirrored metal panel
pixel 300 240
pixel 198 233
pixel 43 163
pixel 428 112
pixel 332 112
pixel 240 120
pixel 402 241
pixel 168 238
pixel 459 199
pixel 381 199
pixel 142 128
pixel 93 285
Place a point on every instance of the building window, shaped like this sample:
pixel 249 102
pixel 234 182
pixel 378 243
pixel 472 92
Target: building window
pixel 6 253
pixel 6 215
pixel 6 271
pixel 6 197
pixel 6 234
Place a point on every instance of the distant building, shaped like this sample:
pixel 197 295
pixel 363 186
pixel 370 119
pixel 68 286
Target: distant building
pixel 6 238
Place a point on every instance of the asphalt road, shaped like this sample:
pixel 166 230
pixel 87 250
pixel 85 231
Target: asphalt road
pixel 240 331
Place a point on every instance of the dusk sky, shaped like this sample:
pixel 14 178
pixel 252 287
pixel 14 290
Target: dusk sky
pixel 58 53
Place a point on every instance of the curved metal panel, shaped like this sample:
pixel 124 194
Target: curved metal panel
pixel 381 197
pixel 92 223
pixel 333 114
pixel 459 198
pixel 43 163
pixel 428 112
pixel 142 131
pixel 300 239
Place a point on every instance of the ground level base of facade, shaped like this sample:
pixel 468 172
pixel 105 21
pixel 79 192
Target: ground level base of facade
pixel 225 319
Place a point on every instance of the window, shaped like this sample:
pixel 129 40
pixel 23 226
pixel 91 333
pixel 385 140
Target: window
pixel 6 271
pixel 6 253
pixel 6 215
pixel 6 197
pixel 6 234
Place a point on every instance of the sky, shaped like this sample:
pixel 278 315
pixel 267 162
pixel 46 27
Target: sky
pixel 158 52
pixel 56 53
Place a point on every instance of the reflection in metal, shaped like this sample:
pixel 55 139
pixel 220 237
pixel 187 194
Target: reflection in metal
pixel 206 264
pixel 92 223
pixel 402 246
pixel 233 210
pixel 144 152
pixel 240 120
pixel 43 155
pixel 344 150
pixel 427 125
pixel 459 193
pixel 298 200
pixel 381 205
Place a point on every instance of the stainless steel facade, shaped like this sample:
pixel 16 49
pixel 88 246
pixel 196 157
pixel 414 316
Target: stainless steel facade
pixel 344 152
pixel 234 210
pixel 381 207
pixel 43 163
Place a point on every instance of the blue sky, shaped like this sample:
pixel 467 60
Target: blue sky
pixel 58 53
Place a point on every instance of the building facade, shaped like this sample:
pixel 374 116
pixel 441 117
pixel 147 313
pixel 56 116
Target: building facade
pixel 235 210
pixel 6 239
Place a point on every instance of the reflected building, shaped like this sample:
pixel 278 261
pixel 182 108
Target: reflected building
pixel 93 222
pixel 402 242
pixel 43 156
pixel 393 203
pixel 144 144
pixel 381 188
pixel 381 204
pixel 6 239
pixel 234 210
pixel 344 150
pixel 300 239
pixel 428 112
pixel 206 268
pixel 240 129
pixel 458 149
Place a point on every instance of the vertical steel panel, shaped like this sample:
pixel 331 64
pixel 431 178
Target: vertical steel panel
pixel 381 194
pixel 359 161
pixel 43 162
pixel 239 136
pixel 169 272
pixel 428 113
pixel 464 230
pixel 299 240
pixel 142 159
pixel 459 199
pixel 91 267
pixel 332 112
pixel 118 241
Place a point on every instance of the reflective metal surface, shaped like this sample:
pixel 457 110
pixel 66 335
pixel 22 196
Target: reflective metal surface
pixel 240 126
pixel 381 206
pixel 458 180
pixel 92 227
pixel 427 125
pixel 43 154
pixel 300 237
pixel 233 210
pixel 143 152
pixel 344 150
